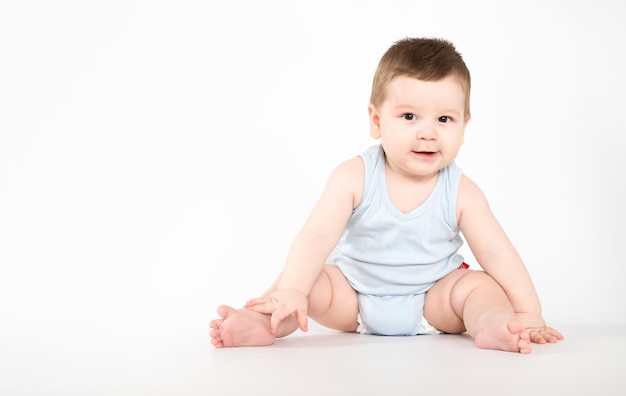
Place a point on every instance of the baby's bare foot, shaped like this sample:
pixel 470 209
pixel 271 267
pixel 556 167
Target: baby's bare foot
pixel 503 334
pixel 240 327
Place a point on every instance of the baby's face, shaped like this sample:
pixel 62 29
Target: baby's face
pixel 421 124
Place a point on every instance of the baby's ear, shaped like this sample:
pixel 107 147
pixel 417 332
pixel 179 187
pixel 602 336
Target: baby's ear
pixel 374 121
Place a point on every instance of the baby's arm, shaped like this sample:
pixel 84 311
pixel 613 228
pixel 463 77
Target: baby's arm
pixel 313 245
pixel 499 258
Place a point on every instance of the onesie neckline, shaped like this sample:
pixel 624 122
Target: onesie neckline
pixel 418 211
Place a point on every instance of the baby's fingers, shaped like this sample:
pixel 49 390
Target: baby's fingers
pixel 262 304
pixel 256 301
pixel 556 335
pixel 545 335
pixel 301 316
pixel 277 316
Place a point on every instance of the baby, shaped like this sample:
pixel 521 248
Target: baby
pixel 379 252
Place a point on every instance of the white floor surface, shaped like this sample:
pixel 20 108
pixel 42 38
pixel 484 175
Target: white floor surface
pixel 321 362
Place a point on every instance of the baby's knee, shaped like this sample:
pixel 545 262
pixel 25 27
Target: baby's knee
pixel 472 279
pixel 320 296
pixel 332 301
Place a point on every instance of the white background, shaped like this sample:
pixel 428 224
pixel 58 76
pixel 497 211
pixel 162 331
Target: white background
pixel 157 158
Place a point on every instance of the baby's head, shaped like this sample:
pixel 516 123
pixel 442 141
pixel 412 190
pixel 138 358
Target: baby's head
pixel 425 59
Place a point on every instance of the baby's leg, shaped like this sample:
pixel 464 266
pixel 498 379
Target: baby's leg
pixel 332 302
pixel 474 301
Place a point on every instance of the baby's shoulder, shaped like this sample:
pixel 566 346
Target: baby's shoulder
pixel 470 196
pixel 352 166
pixel 349 176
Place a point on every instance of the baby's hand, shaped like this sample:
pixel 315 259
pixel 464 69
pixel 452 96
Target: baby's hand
pixel 537 329
pixel 280 305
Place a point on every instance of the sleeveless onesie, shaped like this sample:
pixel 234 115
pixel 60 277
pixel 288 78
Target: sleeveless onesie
pixel 393 258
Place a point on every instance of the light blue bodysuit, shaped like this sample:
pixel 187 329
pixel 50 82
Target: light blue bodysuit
pixel 393 258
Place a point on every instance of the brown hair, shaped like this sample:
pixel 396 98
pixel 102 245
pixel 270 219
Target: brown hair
pixel 427 59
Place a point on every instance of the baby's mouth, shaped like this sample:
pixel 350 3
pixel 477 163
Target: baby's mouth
pixel 425 155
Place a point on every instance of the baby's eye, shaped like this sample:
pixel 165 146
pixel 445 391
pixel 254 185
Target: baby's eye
pixel 445 119
pixel 408 116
